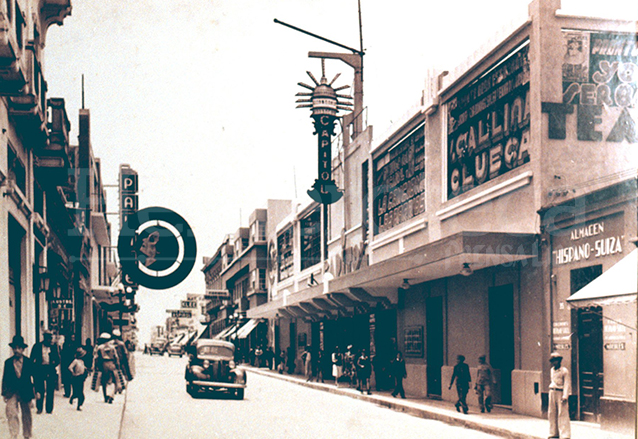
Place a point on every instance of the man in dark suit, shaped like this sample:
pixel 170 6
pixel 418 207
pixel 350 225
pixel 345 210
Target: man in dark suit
pixel 18 388
pixel 46 357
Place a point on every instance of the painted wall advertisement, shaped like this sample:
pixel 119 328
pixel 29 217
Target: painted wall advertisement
pixel 488 124
pixel 600 76
pixel 399 186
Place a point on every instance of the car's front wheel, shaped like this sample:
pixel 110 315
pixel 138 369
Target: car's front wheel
pixel 239 393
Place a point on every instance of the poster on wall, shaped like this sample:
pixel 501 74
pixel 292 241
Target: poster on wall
pixel 488 124
pixel 600 83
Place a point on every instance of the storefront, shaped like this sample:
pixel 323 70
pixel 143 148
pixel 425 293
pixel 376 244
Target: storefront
pixel 594 281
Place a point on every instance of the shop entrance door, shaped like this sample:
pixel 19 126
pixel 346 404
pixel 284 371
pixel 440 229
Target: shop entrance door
pixel 590 362
pixel 434 343
pixel 501 309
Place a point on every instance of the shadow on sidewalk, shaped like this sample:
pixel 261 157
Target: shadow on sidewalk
pixel 97 419
pixel 500 422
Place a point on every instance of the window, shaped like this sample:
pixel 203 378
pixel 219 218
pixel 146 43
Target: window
pixel 261 228
pixel 582 276
pixel 258 280
pixel 17 171
pixel 310 240
pixel 285 254
pixel 19 27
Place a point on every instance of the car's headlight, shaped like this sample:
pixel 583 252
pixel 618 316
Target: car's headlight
pixel 231 364
pixel 206 364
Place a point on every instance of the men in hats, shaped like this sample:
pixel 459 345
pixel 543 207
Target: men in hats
pixel 122 353
pixel 46 357
pixel 559 391
pixel 107 363
pixel 18 388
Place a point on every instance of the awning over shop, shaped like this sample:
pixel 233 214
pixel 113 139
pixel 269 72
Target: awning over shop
pixel 617 284
pixel 245 330
pixel 226 333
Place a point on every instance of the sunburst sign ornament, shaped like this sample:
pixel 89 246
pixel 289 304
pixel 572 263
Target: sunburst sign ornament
pixel 325 103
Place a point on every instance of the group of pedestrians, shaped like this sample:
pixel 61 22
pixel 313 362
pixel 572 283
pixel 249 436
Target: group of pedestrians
pixel 354 367
pixel 36 377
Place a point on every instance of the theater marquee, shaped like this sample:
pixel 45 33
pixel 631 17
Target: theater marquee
pixel 488 124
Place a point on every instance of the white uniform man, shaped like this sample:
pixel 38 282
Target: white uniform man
pixel 559 391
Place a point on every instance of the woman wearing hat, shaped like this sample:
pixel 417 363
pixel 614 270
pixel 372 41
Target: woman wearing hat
pixel 559 391
pixel 18 388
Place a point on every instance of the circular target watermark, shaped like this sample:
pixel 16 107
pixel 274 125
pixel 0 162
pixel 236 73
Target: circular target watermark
pixel 157 248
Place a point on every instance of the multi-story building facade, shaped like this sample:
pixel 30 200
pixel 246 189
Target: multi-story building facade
pixel 33 163
pixel 236 279
pixel 54 233
pixel 477 226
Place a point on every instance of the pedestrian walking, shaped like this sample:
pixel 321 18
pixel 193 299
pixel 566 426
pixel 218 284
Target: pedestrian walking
pixel 281 362
pixel 79 373
pixel 317 365
pixel 350 367
pixel 269 357
pixel 259 355
pixel 462 377
pixel 88 357
pixel 67 356
pixel 18 389
pixel 364 370
pixel 337 365
pixel 106 365
pixel 559 391
pixel 398 373
pixel 122 354
pixel 484 384
pixel 306 357
pixel 46 358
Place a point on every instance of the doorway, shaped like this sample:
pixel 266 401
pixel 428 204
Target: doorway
pixel 590 362
pixel 501 326
pixel 434 344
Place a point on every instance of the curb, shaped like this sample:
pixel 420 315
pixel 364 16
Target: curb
pixel 420 412
pixel 121 429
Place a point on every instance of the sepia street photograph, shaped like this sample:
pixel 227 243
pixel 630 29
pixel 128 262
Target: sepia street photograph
pixel 318 219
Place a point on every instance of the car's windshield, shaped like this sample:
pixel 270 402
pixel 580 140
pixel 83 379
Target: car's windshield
pixel 220 351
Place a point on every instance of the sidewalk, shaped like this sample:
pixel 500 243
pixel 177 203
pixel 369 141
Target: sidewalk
pixel 97 419
pixel 501 422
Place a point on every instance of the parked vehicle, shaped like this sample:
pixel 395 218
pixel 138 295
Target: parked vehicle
pixel 211 367
pixel 158 347
pixel 175 349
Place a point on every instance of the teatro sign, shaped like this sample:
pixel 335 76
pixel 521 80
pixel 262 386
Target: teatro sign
pixel 600 78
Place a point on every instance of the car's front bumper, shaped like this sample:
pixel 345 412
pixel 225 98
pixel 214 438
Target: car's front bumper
pixel 217 384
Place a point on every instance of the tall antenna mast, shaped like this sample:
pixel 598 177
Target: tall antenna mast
pixel 83 91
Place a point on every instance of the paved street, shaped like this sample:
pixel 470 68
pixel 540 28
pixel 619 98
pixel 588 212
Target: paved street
pixel 158 406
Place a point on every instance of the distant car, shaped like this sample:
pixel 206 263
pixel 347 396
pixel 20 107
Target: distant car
pixel 175 349
pixel 158 347
pixel 211 367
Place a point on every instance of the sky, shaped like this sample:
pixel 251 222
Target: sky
pixel 198 96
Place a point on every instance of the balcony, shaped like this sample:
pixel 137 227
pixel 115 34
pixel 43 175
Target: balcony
pixel 13 76
pixel 52 157
pixel 54 12
pixel 28 109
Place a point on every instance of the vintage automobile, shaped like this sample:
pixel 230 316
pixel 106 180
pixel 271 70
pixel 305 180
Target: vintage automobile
pixel 175 349
pixel 211 367
pixel 158 347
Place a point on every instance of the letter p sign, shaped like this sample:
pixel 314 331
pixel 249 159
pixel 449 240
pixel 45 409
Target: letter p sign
pixel 128 183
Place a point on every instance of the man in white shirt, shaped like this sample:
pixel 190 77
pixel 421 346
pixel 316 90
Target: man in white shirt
pixel 559 391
